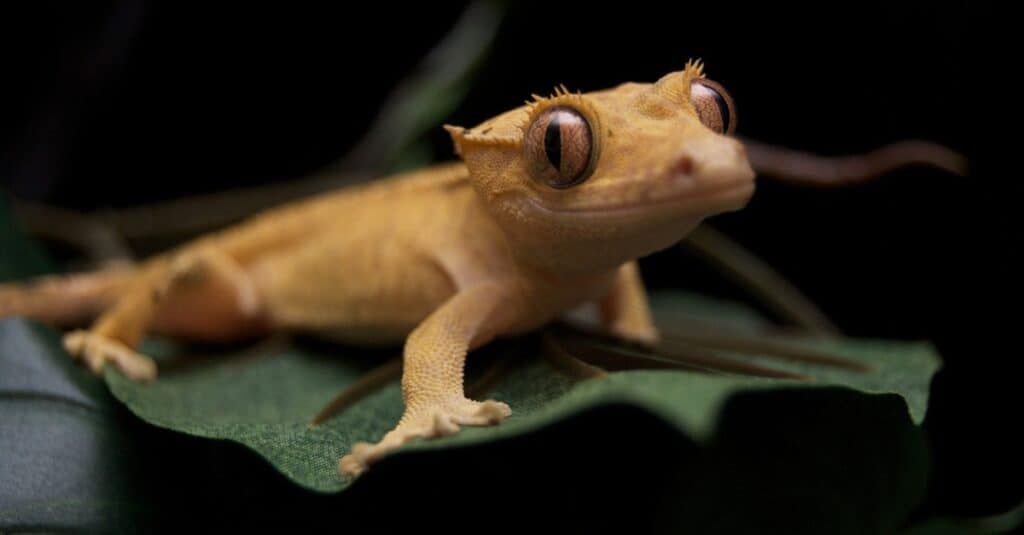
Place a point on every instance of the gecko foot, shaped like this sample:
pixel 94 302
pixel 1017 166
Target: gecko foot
pixel 96 350
pixel 437 421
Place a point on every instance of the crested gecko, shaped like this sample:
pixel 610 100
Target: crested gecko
pixel 548 209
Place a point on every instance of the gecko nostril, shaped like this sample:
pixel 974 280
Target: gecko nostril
pixel 684 165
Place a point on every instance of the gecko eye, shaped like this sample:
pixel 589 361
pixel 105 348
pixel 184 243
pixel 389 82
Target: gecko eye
pixel 560 147
pixel 714 106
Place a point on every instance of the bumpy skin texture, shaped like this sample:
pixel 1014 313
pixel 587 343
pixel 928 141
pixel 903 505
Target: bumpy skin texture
pixel 446 258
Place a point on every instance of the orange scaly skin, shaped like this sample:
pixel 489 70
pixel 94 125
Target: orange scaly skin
pixel 449 257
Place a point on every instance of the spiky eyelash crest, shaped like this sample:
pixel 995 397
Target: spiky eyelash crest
pixel 694 69
pixel 561 96
pixel 676 86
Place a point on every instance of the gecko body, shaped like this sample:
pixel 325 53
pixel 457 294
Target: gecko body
pixel 547 210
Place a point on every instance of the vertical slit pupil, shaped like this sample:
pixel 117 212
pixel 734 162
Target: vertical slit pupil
pixel 723 109
pixel 553 141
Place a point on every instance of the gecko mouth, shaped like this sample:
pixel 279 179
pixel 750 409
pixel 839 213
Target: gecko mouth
pixel 724 198
pixel 714 191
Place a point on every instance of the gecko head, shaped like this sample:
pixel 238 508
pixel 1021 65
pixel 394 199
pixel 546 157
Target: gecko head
pixel 594 179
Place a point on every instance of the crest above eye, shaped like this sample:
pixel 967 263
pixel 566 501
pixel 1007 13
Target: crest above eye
pixel 559 146
pixel 714 106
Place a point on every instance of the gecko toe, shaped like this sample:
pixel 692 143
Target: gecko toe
pixel 96 350
pixel 439 421
pixel 493 412
pixel 351 466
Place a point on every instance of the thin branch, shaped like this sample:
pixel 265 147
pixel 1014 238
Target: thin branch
pixel 369 383
pixel 691 358
pixel 599 348
pixel 99 241
pixel 194 215
pixel 571 365
pixel 431 92
pixel 767 346
pixel 498 371
pixel 752 273
pixel 443 72
pixel 806 169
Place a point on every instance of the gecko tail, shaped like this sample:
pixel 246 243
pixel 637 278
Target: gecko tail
pixel 796 167
pixel 65 301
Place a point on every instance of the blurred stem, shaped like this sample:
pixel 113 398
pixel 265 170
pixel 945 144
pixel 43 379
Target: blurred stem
pixel 758 278
pixel 97 240
pixel 420 102
pixel 184 218
pixel 433 90
pixel 805 169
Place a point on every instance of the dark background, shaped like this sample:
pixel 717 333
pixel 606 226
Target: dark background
pixel 113 105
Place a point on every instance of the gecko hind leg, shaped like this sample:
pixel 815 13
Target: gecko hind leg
pixel 200 295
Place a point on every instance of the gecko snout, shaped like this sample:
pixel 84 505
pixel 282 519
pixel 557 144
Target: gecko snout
pixel 718 159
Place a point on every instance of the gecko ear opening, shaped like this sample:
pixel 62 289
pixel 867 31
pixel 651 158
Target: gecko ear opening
pixel 457 136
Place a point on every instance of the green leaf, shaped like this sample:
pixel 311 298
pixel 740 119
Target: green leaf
pixel 264 396
pixel 843 450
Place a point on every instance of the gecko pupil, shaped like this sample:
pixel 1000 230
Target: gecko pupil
pixel 553 142
pixel 723 108
pixel 714 106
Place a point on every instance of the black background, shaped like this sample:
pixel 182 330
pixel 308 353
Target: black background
pixel 115 105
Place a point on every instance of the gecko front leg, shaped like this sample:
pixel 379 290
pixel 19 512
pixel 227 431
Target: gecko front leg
pixel 625 311
pixel 432 378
